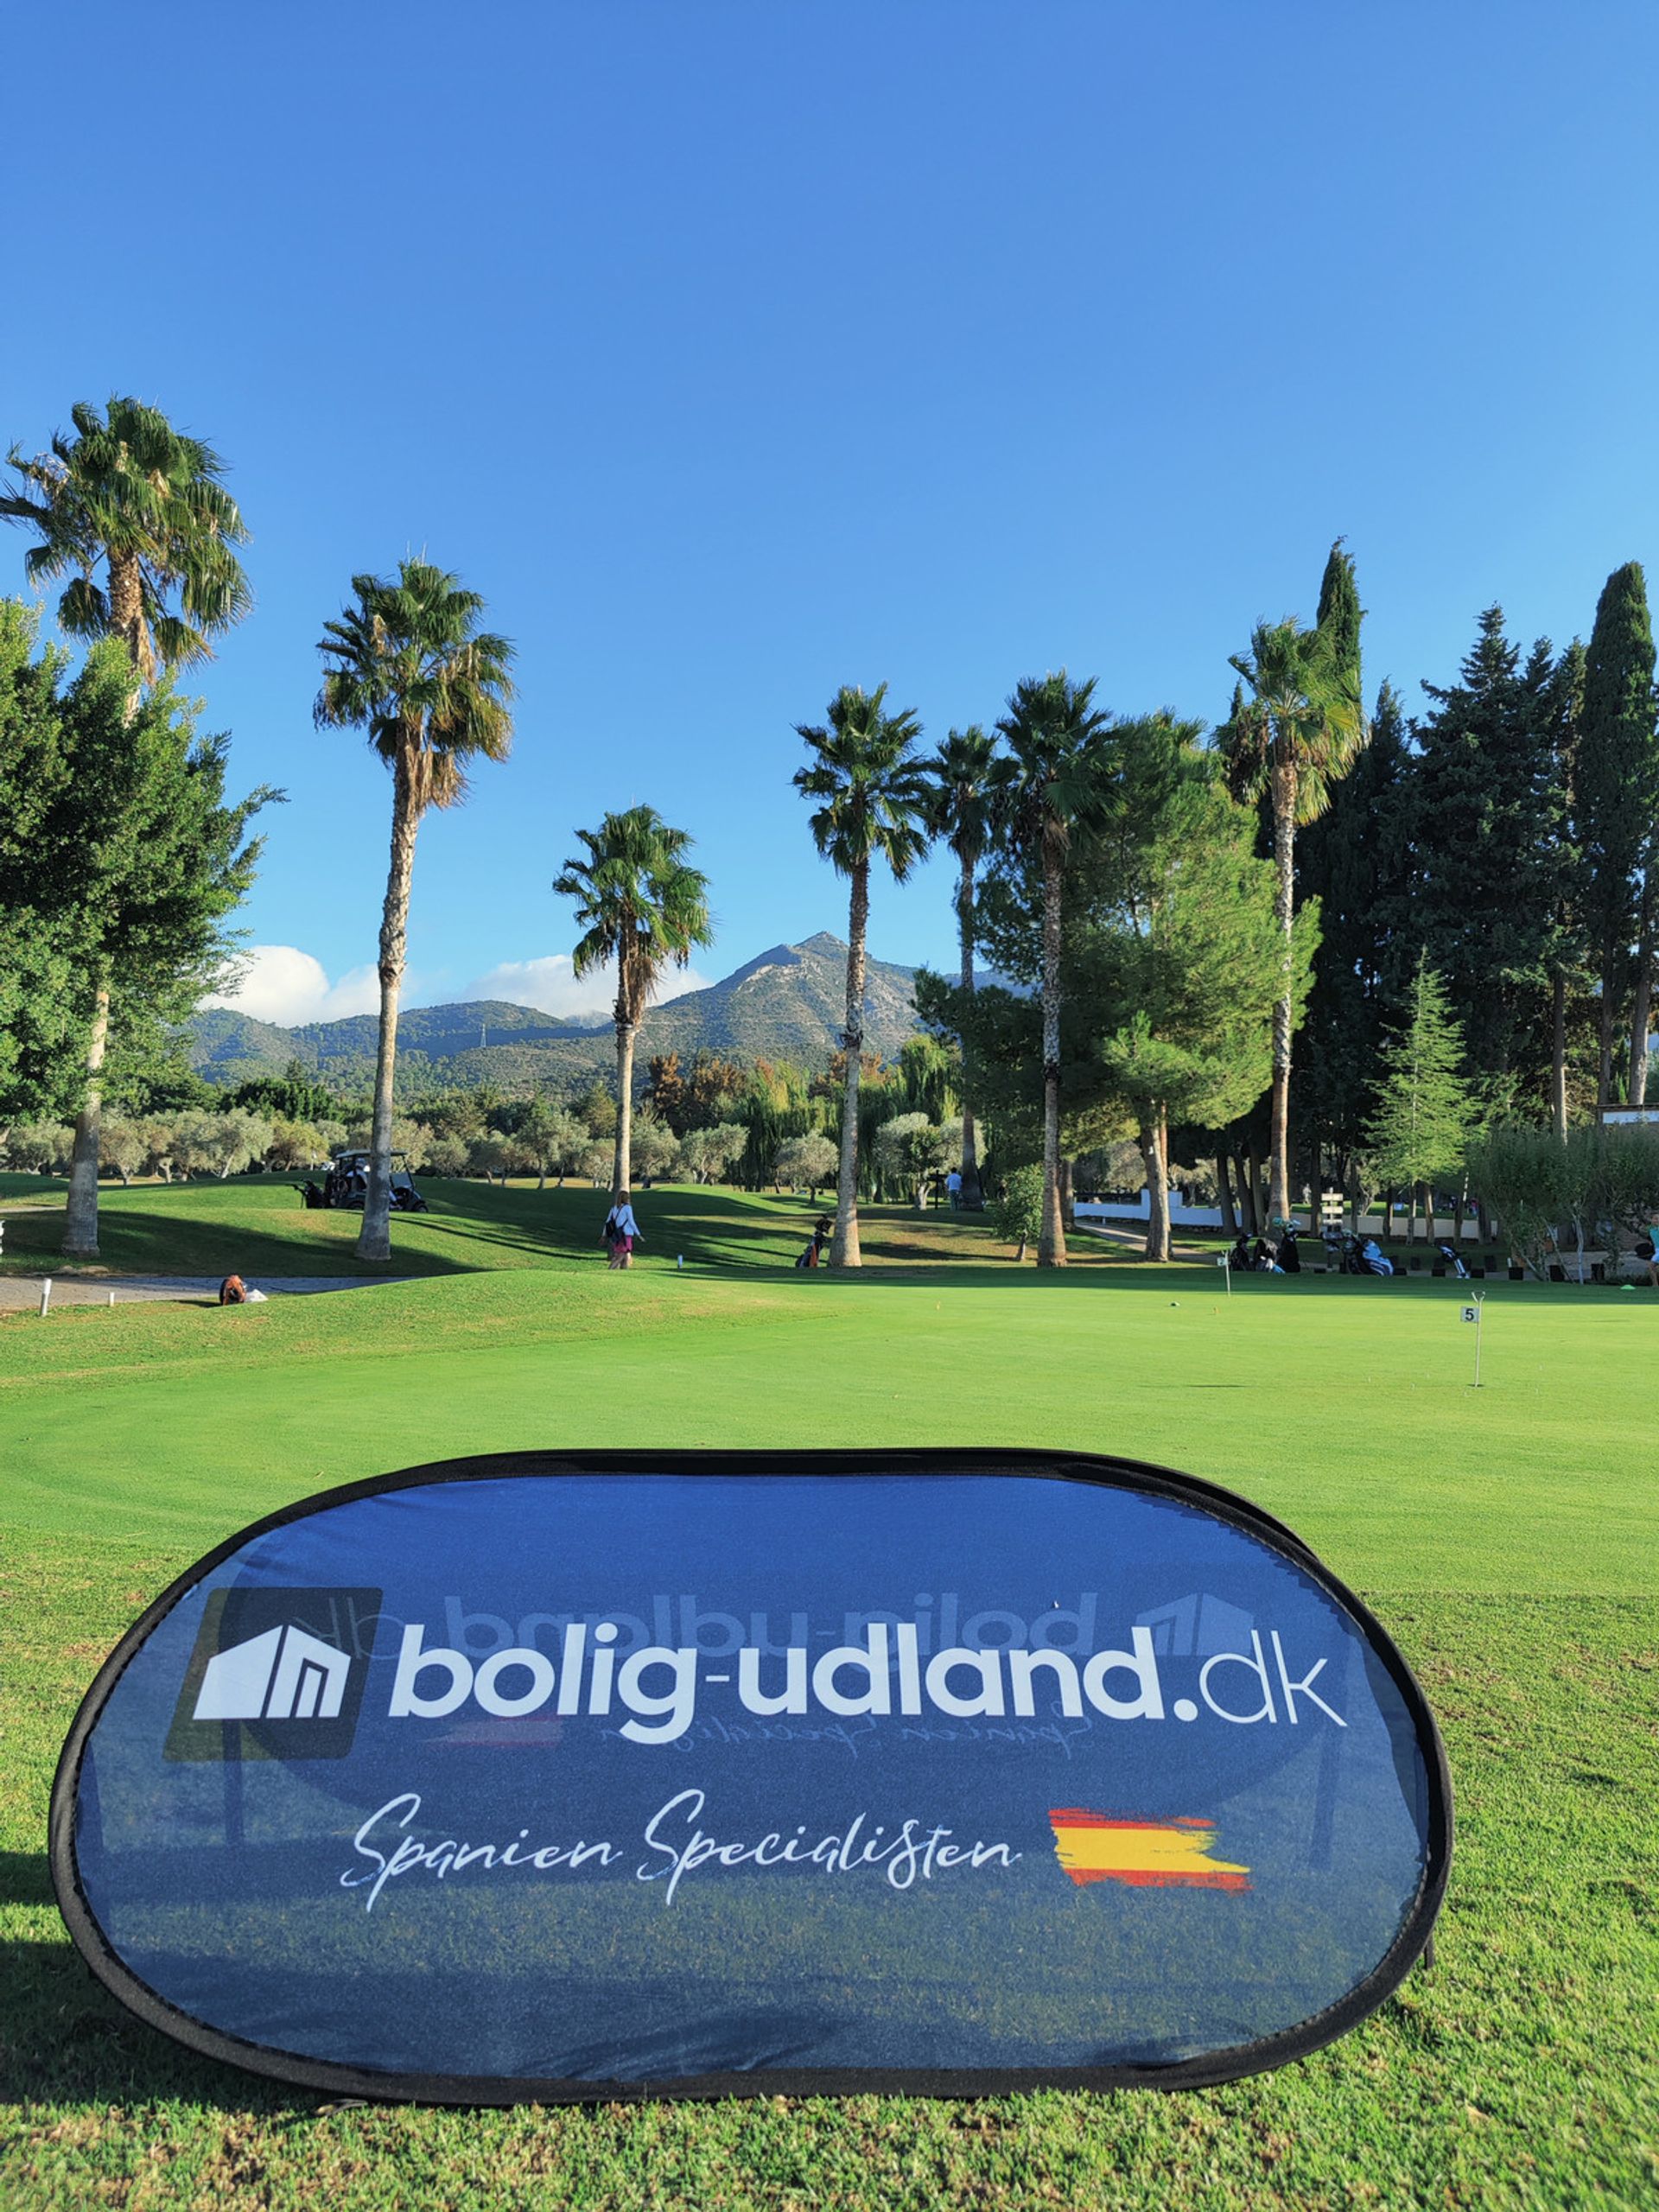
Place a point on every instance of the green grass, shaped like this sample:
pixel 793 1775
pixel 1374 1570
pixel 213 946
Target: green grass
pixel 1510 1541
pixel 257 1225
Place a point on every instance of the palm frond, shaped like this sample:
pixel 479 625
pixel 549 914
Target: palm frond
pixel 639 902
pixel 875 792
pixel 408 665
pixel 130 489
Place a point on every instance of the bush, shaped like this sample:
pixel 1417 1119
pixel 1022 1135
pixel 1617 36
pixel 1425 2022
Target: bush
pixel 1017 1215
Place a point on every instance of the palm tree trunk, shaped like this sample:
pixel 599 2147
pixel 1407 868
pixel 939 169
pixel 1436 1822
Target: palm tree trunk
pixel 622 1164
pixel 843 1245
pixel 374 1240
pixel 1558 1059
pixel 80 1212
pixel 1050 1244
pixel 1284 833
pixel 80 1209
pixel 127 614
pixel 972 1196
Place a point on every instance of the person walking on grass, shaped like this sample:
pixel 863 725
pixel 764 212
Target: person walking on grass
pixel 622 1231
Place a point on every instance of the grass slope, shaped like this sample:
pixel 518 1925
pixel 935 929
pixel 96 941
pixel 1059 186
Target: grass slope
pixel 259 1225
pixel 1510 1540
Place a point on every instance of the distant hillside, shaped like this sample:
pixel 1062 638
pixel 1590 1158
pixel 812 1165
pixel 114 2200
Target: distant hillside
pixel 786 1004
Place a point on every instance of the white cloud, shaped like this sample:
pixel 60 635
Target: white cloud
pixel 287 987
pixel 549 984
pixel 283 985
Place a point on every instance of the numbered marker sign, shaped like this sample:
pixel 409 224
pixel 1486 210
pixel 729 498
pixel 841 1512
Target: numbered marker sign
pixel 555 1779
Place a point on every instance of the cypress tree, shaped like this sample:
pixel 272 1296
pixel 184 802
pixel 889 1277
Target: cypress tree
pixel 1339 616
pixel 1618 798
pixel 1357 861
pixel 1559 705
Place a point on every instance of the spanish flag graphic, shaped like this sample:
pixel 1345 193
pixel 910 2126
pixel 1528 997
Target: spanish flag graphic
pixel 1148 1854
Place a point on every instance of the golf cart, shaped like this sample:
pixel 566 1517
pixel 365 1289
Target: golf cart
pixel 347 1183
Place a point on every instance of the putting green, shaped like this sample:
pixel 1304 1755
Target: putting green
pixel 1345 1407
pixel 1509 1538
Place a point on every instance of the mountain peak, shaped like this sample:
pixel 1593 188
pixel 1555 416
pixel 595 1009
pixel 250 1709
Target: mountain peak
pixel 788 1002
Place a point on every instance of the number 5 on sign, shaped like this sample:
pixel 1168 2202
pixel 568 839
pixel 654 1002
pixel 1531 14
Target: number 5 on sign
pixel 1473 1313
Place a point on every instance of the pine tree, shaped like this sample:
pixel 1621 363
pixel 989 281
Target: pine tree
pixel 125 865
pixel 42 1046
pixel 1482 902
pixel 1425 1112
pixel 1185 964
pixel 1618 797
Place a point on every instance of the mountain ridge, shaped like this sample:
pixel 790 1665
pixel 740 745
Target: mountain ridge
pixel 787 1002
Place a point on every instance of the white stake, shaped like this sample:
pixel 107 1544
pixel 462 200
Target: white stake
pixel 46 1296
pixel 1474 1314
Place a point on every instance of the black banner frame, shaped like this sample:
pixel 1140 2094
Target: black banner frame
pixel 1098 1470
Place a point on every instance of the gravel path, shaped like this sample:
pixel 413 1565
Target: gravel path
pixel 19 1292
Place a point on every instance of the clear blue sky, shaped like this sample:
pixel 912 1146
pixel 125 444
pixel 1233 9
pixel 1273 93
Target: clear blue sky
pixel 737 350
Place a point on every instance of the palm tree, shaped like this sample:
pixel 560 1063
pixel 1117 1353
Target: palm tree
pixel 874 805
pixel 408 664
pixel 131 492
pixel 1057 781
pixel 642 906
pixel 1296 729
pixel 961 794
pixel 149 503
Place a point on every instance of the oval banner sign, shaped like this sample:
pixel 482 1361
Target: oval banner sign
pixel 559 1777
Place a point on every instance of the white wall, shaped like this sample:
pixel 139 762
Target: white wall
pixel 1138 1209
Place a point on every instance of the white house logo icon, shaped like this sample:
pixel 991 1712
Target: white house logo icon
pixel 297 1658
pixel 283 1674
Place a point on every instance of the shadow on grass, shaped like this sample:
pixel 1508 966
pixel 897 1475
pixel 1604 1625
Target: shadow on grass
pixel 24 1879
pixel 64 2037
pixel 66 2040
pixel 137 1241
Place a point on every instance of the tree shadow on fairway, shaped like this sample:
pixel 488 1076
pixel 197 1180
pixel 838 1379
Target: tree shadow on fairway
pixel 209 1240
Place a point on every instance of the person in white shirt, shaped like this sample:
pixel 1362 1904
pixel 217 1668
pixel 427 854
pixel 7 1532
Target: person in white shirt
pixel 623 1229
